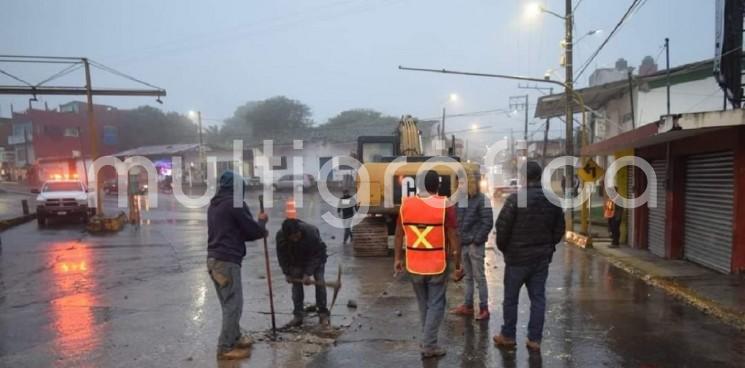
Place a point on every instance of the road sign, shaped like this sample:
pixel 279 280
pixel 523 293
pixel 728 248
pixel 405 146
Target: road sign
pixel 590 171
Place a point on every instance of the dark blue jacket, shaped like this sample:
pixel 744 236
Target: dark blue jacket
pixel 529 234
pixel 475 221
pixel 228 228
pixel 304 256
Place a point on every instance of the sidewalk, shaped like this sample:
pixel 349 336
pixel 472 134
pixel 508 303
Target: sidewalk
pixel 11 195
pixel 722 296
pixel 15 188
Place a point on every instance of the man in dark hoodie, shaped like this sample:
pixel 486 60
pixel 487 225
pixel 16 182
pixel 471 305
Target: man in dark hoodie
pixel 302 256
pixel 228 228
pixel 527 237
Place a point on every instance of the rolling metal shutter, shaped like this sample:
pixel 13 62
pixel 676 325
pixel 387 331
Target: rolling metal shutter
pixel 656 220
pixel 709 210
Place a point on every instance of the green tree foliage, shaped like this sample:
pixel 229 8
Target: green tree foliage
pixel 145 126
pixel 350 118
pixel 274 118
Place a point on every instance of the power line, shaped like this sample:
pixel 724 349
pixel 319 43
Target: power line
pixel 576 6
pixel 618 25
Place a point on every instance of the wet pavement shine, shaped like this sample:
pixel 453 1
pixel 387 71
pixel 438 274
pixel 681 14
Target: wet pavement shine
pixel 142 298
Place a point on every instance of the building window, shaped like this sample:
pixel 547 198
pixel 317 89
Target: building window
pixel 72 132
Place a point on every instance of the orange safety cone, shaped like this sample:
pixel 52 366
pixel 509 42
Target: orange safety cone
pixel 290 210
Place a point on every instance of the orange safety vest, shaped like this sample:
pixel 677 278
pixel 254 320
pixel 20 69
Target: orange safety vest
pixel 610 209
pixel 423 221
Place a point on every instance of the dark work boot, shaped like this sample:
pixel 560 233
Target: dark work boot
pixel 297 321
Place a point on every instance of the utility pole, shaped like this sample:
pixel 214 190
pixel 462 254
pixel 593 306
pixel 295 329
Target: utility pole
pixel 569 119
pixel 201 146
pixel 521 105
pixel 442 126
pixel 667 61
pixel 548 120
pixel 631 101
pixel 93 134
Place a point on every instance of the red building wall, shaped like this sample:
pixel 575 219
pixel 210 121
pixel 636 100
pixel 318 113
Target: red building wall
pixel 49 140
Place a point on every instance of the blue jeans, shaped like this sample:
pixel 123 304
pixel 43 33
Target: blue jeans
pixel 534 278
pixel 226 277
pixel 298 294
pixel 473 266
pixel 430 296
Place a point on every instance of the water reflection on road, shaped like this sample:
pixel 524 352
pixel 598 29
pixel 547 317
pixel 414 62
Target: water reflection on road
pixel 73 317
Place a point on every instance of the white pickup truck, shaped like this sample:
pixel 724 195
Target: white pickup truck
pixel 62 198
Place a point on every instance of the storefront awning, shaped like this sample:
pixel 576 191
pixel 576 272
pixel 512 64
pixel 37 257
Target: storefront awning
pixel 667 130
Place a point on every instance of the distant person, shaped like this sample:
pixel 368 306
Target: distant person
pixel 474 225
pixel 228 228
pixel 346 209
pixel 302 257
pixel 613 214
pixel 527 237
pixel 429 229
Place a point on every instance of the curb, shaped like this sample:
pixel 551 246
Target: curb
pixel 683 293
pixel 7 224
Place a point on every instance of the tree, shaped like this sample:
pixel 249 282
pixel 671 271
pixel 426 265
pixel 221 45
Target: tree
pixel 274 118
pixel 360 116
pixel 146 126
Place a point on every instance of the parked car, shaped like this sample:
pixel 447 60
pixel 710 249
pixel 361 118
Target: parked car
pixel 253 183
pixel 289 182
pixel 62 198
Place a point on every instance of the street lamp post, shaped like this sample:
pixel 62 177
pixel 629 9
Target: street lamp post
pixel 569 118
pixel 198 115
pixel 452 97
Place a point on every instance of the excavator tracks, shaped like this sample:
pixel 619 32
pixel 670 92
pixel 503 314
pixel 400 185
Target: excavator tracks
pixel 370 238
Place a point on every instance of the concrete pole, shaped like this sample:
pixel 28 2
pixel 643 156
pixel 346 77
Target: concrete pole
pixel 93 135
pixel 569 119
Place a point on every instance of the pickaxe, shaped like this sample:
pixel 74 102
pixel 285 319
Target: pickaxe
pixel 336 285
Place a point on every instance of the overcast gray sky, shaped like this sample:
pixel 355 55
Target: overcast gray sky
pixel 337 54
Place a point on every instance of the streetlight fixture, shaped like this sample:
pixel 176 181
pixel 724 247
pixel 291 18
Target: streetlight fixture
pixel 533 10
pixel 593 32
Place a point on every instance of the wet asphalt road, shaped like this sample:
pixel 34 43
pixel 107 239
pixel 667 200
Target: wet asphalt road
pixel 141 298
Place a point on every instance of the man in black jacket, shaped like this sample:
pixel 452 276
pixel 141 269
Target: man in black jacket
pixel 302 256
pixel 228 228
pixel 527 237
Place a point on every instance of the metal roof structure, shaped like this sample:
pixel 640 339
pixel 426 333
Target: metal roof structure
pixel 159 150
pixel 595 97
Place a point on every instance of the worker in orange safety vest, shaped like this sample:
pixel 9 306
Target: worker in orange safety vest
pixel 614 215
pixel 428 227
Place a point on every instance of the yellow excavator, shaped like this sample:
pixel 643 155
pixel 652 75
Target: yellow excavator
pixel 391 164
